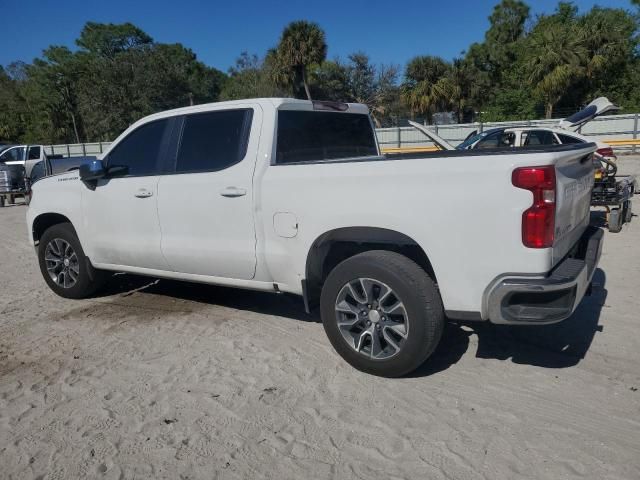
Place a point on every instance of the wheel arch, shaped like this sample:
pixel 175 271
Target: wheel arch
pixel 45 221
pixel 335 246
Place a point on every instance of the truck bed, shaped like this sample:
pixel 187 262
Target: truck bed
pixel 491 151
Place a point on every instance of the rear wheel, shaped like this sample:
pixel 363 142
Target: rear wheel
pixel 1 201
pixel 382 313
pixel 628 213
pixel 64 266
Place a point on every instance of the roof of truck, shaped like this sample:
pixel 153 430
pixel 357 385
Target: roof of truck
pixel 278 103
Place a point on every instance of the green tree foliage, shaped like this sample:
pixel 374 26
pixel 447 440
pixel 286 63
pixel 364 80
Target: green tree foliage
pixel 555 62
pixel 117 75
pixel 251 77
pixel 525 67
pixel 424 87
pixel 13 108
pixel 302 44
pixel 362 82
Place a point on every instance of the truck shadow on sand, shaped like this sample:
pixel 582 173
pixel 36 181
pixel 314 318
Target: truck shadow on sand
pixel 551 346
pixel 121 286
pixel 560 345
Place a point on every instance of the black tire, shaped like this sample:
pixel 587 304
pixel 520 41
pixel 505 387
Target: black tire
pixel 88 279
pixel 1 201
pixel 628 213
pixel 615 220
pixel 412 286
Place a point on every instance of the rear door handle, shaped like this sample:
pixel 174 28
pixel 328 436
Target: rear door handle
pixel 233 192
pixel 143 193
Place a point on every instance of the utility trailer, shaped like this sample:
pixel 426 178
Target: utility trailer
pixel 614 194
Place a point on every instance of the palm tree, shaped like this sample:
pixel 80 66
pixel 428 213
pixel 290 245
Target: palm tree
pixel 424 89
pixel 302 44
pixel 556 61
pixel 458 87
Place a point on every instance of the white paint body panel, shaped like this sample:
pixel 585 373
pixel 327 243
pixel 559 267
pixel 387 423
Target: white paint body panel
pixel 122 224
pixel 462 211
pixel 204 232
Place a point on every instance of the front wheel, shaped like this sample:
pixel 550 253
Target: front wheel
pixel 382 313
pixel 64 266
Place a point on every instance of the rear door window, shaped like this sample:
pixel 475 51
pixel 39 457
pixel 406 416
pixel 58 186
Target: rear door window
pixel 540 137
pixel 213 141
pixel 310 136
pixel 141 149
pixel 500 139
pixel 34 152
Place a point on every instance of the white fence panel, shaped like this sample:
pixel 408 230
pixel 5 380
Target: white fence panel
pixel 610 127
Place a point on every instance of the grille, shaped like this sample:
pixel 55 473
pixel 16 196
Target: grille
pixel 4 180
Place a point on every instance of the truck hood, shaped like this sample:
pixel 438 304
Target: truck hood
pixel 599 106
pixel 439 141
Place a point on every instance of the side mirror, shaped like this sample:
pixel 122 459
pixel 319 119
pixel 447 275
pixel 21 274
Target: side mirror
pixel 92 171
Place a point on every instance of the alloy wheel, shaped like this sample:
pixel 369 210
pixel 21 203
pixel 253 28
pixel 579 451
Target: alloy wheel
pixel 62 263
pixel 372 318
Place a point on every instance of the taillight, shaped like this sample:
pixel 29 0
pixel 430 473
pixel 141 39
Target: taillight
pixel 539 220
pixel 605 152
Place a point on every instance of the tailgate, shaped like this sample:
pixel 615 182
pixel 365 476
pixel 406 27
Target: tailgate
pixel 574 182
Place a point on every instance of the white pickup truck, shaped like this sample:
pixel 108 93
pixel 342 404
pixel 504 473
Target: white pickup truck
pixel 294 196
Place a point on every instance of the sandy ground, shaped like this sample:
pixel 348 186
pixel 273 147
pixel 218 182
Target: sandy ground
pixel 158 379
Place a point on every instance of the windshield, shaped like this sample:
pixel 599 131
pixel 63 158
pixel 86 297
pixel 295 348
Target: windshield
pixel 470 141
pixel 15 154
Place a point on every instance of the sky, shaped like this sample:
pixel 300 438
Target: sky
pixel 388 31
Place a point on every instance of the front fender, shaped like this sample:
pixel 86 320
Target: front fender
pixel 56 195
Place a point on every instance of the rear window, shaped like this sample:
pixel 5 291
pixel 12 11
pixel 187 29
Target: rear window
pixel 305 136
pixel 569 139
pixel 540 137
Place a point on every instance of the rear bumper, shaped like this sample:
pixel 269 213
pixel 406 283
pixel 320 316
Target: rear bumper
pixel 518 300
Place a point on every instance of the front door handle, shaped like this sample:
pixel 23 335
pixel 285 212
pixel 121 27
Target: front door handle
pixel 233 192
pixel 143 193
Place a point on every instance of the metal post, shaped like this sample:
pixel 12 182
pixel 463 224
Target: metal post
pixel 84 150
pixel 68 151
pixel 399 136
pixel 635 132
pixel 480 128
